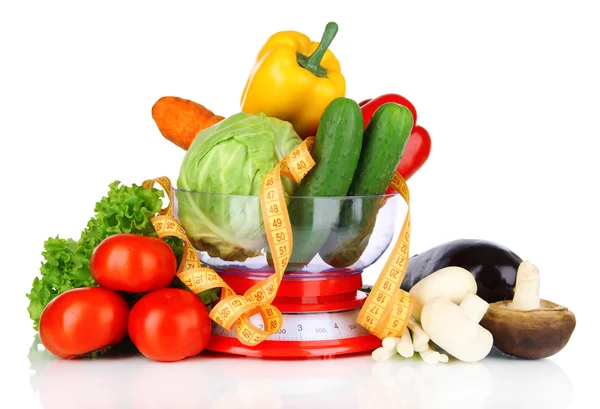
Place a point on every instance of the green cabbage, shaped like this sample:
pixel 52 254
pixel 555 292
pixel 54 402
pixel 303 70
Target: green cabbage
pixel 231 158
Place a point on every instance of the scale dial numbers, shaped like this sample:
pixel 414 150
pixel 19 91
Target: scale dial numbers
pixel 310 327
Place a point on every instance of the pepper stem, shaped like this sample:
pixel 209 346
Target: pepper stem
pixel 313 62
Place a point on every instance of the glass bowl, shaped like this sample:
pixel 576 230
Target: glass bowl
pixel 330 234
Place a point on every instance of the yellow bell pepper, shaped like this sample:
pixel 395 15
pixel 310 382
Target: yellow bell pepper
pixel 294 79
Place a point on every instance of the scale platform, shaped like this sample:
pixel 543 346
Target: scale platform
pixel 319 317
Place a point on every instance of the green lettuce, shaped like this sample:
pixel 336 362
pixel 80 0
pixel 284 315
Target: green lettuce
pixel 66 265
pixel 229 161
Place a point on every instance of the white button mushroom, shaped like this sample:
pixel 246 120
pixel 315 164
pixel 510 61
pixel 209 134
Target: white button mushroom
pixel 474 307
pixel 456 328
pixel 451 283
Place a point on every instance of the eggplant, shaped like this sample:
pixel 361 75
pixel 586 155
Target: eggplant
pixel 494 266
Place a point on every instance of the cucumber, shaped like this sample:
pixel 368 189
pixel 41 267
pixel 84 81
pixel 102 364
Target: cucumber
pixel 384 141
pixel 336 152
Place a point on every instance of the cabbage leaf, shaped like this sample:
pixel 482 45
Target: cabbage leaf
pixel 224 165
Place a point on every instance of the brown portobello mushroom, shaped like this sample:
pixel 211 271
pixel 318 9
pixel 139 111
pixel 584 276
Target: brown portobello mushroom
pixel 531 334
pixel 529 327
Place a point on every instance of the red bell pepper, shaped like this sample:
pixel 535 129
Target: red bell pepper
pixel 416 152
pixel 417 148
pixel 369 106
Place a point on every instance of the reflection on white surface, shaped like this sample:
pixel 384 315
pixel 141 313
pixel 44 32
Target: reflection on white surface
pixel 217 382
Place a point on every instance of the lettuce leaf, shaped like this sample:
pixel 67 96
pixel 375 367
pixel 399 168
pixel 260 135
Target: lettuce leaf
pixel 66 265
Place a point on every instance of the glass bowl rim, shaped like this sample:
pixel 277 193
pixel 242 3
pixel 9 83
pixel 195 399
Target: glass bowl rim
pixel 384 195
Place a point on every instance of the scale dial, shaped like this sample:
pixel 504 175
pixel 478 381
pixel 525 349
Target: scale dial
pixel 323 326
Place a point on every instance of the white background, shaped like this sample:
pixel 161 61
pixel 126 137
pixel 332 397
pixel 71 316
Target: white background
pixel 508 91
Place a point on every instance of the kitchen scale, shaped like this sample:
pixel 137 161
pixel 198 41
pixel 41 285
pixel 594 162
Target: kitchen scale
pixel 320 303
pixel 319 317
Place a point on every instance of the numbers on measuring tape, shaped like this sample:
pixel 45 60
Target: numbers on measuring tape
pixel 283 261
pixel 314 326
pixel 274 209
pixel 230 309
pixel 387 303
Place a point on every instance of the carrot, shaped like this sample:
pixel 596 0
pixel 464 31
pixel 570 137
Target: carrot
pixel 180 120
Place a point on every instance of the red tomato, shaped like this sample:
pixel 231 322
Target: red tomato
pixel 83 320
pixel 133 263
pixel 169 324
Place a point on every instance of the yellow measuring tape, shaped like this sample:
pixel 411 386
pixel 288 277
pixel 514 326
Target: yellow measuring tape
pixel 386 311
pixel 233 309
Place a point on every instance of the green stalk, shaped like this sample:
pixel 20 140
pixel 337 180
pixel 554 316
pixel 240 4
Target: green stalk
pixel 313 62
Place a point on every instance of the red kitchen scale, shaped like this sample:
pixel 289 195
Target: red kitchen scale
pixel 319 317
pixel 320 303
